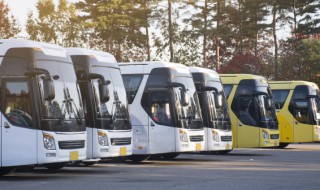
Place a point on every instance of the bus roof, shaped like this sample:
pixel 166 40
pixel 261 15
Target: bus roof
pixel 209 72
pixel 236 78
pixel 146 67
pixel 290 84
pixel 101 56
pixel 46 48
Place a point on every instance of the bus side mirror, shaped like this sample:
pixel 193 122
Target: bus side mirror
pixel 218 100
pixel 184 98
pixel 104 92
pixel 48 90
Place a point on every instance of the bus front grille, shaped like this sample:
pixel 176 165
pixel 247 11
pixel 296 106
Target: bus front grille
pixel 71 144
pixel 120 141
pixel 274 136
pixel 226 138
pixel 196 138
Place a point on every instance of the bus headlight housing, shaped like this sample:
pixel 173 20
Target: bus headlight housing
pixel 48 141
pixel 103 138
pixel 215 136
pixel 183 136
pixel 265 134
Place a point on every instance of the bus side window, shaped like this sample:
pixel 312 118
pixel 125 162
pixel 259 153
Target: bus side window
pixel 18 104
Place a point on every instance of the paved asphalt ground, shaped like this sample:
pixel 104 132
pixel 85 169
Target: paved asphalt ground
pixel 296 167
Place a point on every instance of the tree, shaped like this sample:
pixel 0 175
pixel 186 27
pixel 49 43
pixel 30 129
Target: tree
pixel 115 26
pixel 8 27
pixel 54 24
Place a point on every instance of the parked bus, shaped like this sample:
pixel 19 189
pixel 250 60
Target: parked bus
pixel 164 109
pixel 252 111
pixel 214 109
pixel 103 94
pixel 298 111
pixel 42 119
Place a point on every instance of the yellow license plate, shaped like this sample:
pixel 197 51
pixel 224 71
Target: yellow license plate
pixel 123 151
pixel 198 147
pixel 74 155
pixel 227 146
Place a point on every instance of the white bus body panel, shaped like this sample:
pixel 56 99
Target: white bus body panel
pixel 212 145
pixel 119 150
pixel 18 146
pixel 62 155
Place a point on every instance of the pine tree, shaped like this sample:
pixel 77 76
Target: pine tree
pixel 115 26
pixel 8 27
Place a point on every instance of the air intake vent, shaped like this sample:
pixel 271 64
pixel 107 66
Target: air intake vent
pixel 71 144
pixel 226 138
pixel 197 138
pixel 274 136
pixel 120 141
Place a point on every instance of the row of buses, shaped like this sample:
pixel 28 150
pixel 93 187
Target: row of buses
pixel 62 105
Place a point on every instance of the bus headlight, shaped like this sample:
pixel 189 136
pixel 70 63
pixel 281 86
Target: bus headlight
pixel 183 136
pixel 103 138
pixel 215 136
pixel 48 141
pixel 265 134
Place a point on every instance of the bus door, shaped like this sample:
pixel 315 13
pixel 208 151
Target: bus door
pixel 161 130
pixel 303 124
pixel 248 130
pixel 19 138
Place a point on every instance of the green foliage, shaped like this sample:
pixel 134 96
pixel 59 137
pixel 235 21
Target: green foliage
pixel 8 24
pixel 114 25
pixel 54 24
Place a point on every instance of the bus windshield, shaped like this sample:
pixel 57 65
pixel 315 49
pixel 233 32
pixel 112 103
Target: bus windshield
pixel 189 116
pixel 219 115
pixel 267 113
pixel 112 115
pixel 67 105
pixel 315 106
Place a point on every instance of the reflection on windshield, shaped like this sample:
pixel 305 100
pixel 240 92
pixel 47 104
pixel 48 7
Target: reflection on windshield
pixel 219 115
pixel 188 115
pixel 113 114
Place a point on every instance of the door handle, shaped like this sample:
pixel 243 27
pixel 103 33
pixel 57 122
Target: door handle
pixel 6 125
pixel 152 124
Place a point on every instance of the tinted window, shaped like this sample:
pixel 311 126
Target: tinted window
pixel 18 104
pixel 227 89
pixel 279 97
pixel 131 83
pixel 300 105
pixel 160 108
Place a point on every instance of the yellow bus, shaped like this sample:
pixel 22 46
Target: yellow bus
pixel 298 111
pixel 252 111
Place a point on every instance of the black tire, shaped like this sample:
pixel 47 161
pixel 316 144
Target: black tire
pixel 224 152
pixel 55 166
pixel 283 145
pixel 89 163
pixel 138 158
pixel 170 156
pixel 6 170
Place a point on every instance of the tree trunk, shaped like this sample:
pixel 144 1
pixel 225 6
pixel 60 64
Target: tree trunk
pixel 170 32
pixel 217 36
pixel 274 23
pixel 294 19
pixel 205 15
pixel 147 33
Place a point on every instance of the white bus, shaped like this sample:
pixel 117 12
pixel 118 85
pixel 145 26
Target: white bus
pixel 103 94
pixel 164 109
pixel 42 119
pixel 214 109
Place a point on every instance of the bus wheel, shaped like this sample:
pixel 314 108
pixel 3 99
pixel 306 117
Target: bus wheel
pixel 89 163
pixel 55 166
pixel 170 156
pixel 138 158
pixel 224 152
pixel 283 145
pixel 6 170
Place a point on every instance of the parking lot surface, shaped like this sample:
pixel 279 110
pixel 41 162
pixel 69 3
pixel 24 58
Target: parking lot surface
pixel 296 167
